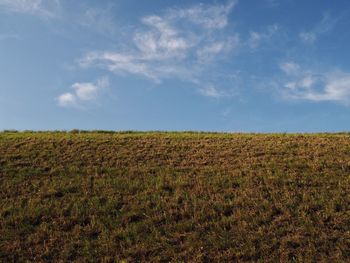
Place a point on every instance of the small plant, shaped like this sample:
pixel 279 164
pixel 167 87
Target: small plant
pixel 10 131
pixel 74 131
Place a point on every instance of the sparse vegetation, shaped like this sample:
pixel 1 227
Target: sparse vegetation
pixel 181 197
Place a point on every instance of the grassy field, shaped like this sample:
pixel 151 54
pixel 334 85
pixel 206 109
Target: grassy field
pixel 180 197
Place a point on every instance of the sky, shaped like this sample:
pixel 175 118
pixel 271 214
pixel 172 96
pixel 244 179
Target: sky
pixel 231 65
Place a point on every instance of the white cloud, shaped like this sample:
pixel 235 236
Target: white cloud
pixel 207 16
pixel 213 48
pixel 120 63
pixel 290 68
pixel 336 88
pixel 308 37
pixel 99 19
pixel 324 26
pixel 307 82
pixel 42 8
pixel 82 92
pixel 313 85
pixel 66 99
pixel 256 38
pixel 180 43
pixel 211 91
pixel 161 41
pixel 210 51
pixel 85 91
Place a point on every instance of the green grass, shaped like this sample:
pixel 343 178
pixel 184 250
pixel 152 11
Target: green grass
pixel 181 197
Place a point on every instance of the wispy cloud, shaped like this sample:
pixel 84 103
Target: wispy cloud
pixel 82 92
pixel 257 38
pixel 99 19
pixel 308 84
pixel 42 8
pixel 324 26
pixel 290 68
pixel 207 16
pixel 180 43
pixel 212 91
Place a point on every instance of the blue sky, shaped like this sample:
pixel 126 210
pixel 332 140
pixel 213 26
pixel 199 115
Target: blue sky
pixel 241 66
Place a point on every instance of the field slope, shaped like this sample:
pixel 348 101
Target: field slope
pixel 181 197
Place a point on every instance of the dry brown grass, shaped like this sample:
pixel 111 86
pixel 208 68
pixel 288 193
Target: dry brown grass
pixel 187 197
